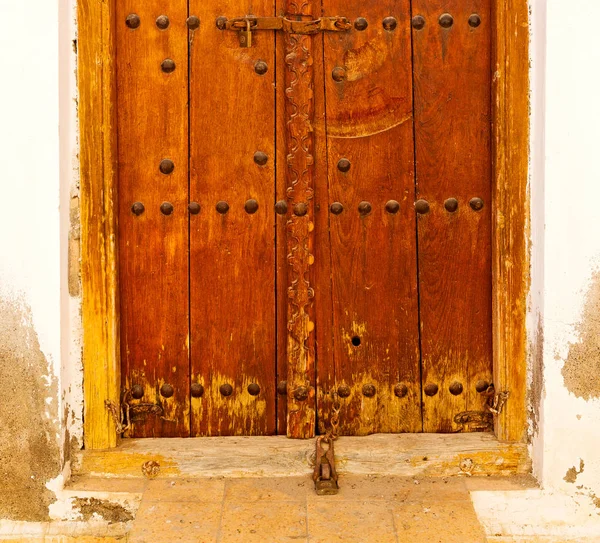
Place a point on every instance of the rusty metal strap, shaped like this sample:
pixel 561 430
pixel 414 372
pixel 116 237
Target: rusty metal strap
pixel 323 24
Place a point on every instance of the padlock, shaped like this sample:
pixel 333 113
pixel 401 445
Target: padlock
pixel 246 36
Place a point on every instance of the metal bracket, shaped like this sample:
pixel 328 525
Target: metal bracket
pixel 128 412
pixel 325 475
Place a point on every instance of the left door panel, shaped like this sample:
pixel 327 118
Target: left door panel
pixel 152 84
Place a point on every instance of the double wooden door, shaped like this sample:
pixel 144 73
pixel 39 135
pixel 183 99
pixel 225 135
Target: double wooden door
pixel 305 216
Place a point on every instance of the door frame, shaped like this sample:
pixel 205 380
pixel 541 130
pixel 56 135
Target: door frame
pixel 99 209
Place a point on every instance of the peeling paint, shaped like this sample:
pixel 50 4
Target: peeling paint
pixel 93 508
pixel 572 473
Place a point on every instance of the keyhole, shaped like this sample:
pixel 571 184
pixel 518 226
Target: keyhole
pixel 356 341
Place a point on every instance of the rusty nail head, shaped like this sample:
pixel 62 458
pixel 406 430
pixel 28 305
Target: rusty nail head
pixel 369 391
pixel 418 22
pixel 344 391
pixel 197 390
pixel 166 208
pixel 481 386
pixel 166 166
pixel 422 206
pixel 392 206
pixel 301 394
pixel 194 208
pixel 390 23
pixel 168 65
pixel 251 206
pixel 167 390
pixel 221 23
pixel 261 67
pixel 336 208
pixel 344 165
pixel 137 208
pixel 431 389
pixel 361 24
pixel 451 205
pixel 474 20
pixel 193 22
pixel 446 20
pixel 226 390
pixel 281 207
pixel 338 73
pixel 400 390
pixel 476 204
pixel 456 388
pixel 301 209
pixel 282 388
pixel 253 389
pixel 162 22
pixel 222 208
pixel 133 21
pixel 137 392
pixel 260 158
pixel 364 208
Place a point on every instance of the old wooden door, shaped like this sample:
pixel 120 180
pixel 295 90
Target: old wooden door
pixel 304 220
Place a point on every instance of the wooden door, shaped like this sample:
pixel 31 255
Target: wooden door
pixel 305 219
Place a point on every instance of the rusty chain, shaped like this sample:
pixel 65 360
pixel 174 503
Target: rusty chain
pixel 123 419
pixel 325 474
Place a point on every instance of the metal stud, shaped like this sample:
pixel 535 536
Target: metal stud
pixel 162 22
pixel 344 391
pixel 137 208
pixel 338 74
pixel 194 208
pixel 364 208
pixel 401 390
pixel 222 207
pixel 166 208
pixel 197 390
pixel 369 391
pixel 474 20
pixel 193 22
pixel 133 21
pixel 481 386
pixel 260 158
pixel 301 394
pixel 451 205
pixel 261 67
pixel 251 207
pixel 137 392
pixel 168 65
pixel 221 23
pixel 431 389
pixel 456 388
pixel 253 389
pixel 422 207
pixel 281 207
pixel 392 207
pixel 336 208
pixel 446 20
pixel 301 209
pixel 344 165
pixel 476 204
pixel 226 390
pixel 166 166
pixel 390 23
pixel 361 24
pixel 282 388
pixel 167 390
pixel 418 22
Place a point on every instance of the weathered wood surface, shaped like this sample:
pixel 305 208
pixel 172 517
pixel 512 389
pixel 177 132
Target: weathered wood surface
pixel 232 275
pixel 98 186
pixel 405 454
pixel 452 81
pixel 369 255
pixel 153 246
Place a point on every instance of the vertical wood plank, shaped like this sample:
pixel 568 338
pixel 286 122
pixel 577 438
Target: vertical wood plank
pixel 233 261
pixel 368 122
pixel 452 81
pixel 98 157
pixel 153 127
pixel 511 257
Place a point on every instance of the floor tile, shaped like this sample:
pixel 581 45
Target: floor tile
pixel 272 489
pixel 449 488
pixel 366 488
pixel 185 490
pixel 517 482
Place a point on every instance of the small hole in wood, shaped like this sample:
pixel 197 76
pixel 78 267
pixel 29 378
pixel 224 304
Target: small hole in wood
pixel 356 341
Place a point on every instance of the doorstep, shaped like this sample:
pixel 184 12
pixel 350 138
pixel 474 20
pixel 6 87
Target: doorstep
pixel 407 455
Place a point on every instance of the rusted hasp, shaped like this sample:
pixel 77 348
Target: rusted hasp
pixel 325 475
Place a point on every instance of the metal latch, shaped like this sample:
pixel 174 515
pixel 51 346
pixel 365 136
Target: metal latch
pixel 325 475
pixel 247 25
